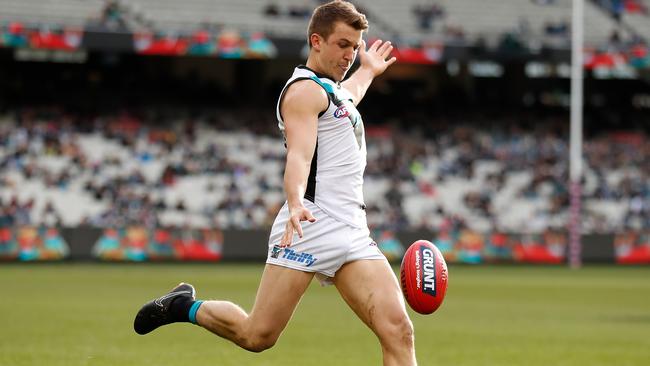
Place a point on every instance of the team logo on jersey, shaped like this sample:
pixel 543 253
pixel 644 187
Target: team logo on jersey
pixel 341 112
pixel 275 252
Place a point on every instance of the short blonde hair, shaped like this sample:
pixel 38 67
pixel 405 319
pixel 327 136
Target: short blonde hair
pixel 325 17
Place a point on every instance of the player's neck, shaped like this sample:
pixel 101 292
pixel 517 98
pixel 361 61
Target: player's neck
pixel 313 65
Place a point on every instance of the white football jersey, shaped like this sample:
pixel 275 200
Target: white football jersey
pixel 335 182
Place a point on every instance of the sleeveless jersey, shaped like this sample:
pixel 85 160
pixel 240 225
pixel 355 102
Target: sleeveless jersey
pixel 335 182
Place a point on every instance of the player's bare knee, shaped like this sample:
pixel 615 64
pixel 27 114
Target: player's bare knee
pixel 260 341
pixel 262 344
pixel 396 331
pixel 404 332
pixel 408 333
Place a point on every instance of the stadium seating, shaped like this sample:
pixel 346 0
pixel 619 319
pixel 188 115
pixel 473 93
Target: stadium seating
pixel 639 21
pixel 242 15
pixel 488 20
pixel 491 19
pixel 51 12
pixel 111 176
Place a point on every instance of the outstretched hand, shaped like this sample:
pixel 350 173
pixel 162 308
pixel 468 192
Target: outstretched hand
pixel 296 215
pixel 374 58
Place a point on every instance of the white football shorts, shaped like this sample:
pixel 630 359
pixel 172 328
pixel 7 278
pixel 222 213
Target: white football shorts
pixel 325 246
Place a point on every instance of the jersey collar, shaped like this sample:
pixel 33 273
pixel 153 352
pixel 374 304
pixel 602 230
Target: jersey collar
pixel 318 74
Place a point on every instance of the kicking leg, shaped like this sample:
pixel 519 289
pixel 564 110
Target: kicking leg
pixel 370 288
pixel 278 295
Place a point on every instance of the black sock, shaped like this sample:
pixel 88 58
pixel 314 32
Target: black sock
pixel 180 309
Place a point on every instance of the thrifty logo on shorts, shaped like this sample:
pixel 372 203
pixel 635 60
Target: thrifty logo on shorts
pixel 292 255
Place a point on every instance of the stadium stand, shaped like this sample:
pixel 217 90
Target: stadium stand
pixel 636 15
pixel 53 12
pixel 119 170
pixel 494 18
pixel 536 23
pixel 244 16
pixel 114 170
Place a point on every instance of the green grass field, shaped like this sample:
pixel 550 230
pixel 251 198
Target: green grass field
pixel 82 315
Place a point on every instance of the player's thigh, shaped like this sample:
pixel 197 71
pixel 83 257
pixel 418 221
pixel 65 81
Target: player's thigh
pixel 278 295
pixel 371 289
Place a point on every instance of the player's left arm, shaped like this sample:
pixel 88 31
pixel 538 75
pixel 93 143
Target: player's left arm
pixel 373 63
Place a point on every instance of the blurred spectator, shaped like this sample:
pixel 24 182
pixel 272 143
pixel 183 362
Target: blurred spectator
pixel 560 28
pixel 272 10
pixel 426 14
pixel 113 15
pixel 300 10
pixel 454 34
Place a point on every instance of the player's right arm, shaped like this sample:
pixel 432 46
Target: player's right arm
pixel 300 106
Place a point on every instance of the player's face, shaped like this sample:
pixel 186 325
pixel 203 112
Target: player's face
pixel 339 50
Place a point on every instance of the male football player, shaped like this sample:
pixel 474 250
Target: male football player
pixel 321 230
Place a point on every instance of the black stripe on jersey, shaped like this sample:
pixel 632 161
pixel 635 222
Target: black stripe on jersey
pixel 287 88
pixel 310 192
pixel 337 102
pixel 318 74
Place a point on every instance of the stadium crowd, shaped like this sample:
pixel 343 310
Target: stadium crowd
pixel 114 170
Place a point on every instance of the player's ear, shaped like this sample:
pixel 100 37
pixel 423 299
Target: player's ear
pixel 316 41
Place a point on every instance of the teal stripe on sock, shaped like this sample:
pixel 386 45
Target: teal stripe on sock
pixel 195 307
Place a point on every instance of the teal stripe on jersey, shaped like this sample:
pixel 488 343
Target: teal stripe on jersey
pixel 328 88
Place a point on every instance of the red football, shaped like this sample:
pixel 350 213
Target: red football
pixel 424 277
